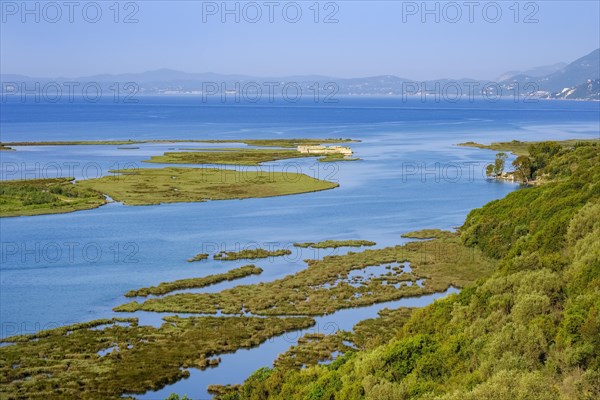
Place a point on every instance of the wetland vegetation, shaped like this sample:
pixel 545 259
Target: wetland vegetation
pixel 531 330
pixel 334 244
pixel 191 283
pixel 289 143
pixel 199 257
pixel 520 148
pixel 239 156
pixel 337 282
pixel 150 186
pixel 427 234
pixel 251 157
pixel 112 358
pixel 175 185
pixel 46 196
pixel 166 185
pixel 250 254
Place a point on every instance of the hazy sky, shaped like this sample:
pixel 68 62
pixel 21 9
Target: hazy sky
pixel 369 37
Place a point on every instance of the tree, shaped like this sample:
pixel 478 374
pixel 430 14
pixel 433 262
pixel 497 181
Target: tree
pixel 523 166
pixel 541 153
pixel 489 170
pixel 499 163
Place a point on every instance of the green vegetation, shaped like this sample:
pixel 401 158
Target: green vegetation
pixel 286 143
pixel 46 196
pixel 250 254
pixel 166 287
pixel 529 331
pixel 374 332
pixel 238 156
pixel 498 167
pixel 335 244
pixel 427 234
pixel 227 156
pixel 336 158
pixel 311 349
pixel 175 185
pixel 155 186
pixel 250 142
pixel 76 143
pixel 198 257
pixel 93 361
pixel 519 148
pixel 314 348
pixel 325 285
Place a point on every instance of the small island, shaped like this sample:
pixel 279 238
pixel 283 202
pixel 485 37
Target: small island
pixel 250 254
pixel 173 185
pixel 334 244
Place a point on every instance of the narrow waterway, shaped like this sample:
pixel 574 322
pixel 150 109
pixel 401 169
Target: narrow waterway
pixel 236 367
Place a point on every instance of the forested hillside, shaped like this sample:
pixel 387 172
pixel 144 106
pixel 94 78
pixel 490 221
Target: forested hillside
pixel 531 331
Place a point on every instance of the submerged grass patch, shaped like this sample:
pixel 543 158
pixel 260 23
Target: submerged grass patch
pixel 334 244
pixel 166 287
pixel 250 254
pixel 80 362
pixel 174 185
pixel 46 196
pixel 325 285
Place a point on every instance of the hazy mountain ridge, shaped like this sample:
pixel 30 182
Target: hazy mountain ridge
pixel 536 72
pixel 574 76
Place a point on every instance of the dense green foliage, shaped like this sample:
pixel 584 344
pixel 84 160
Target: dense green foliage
pixel 45 196
pixel 531 331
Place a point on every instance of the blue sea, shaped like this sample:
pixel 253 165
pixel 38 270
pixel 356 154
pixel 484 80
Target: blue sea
pixel 67 268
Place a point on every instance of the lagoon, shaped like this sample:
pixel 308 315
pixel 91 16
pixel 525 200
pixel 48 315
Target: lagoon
pixel 68 268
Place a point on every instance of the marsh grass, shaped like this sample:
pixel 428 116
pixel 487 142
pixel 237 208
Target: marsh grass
pixel 336 158
pixel 198 257
pixel 334 244
pixel 251 157
pixel 289 143
pixel 522 148
pixel 191 283
pixel 323 287
pixel 250 254
pixel 65 362
pixel 46 196
pixel 428 234
pixel 175 185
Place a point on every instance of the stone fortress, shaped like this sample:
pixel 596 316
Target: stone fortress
pixel 320 150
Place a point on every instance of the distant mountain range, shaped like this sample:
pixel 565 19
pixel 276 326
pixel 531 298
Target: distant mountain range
pixel 576 80
pixel 534 72
pixel 572 76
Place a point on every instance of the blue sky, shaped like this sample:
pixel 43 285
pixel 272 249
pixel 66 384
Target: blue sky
pixel 369 38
